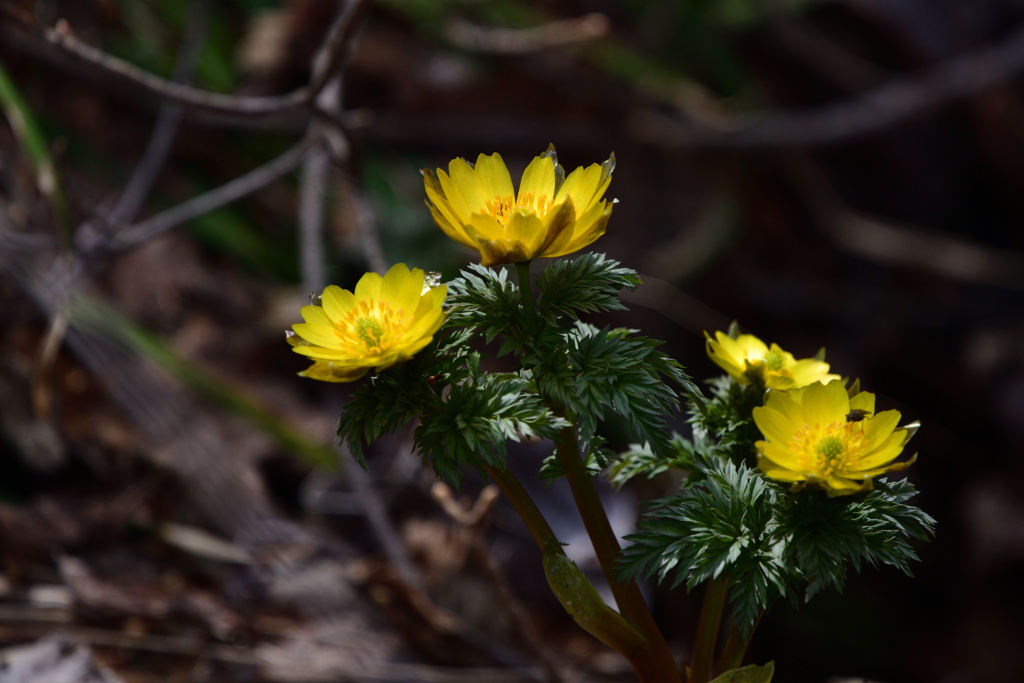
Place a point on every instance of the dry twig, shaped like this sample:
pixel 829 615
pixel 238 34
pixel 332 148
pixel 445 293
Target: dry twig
pixel 522 40
pixel 474 521
pixel 837 122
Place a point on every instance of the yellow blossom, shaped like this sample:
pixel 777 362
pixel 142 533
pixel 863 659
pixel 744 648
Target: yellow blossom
pixel 385 321
pixel 748 360
pixel 553 215
pixel 822 437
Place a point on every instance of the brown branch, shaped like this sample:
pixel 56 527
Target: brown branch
pixel 166 127
pixel 335 48
pixel 901 246
pixel 62 40
pixel 210 201
pixel 518 41
pixel 870 112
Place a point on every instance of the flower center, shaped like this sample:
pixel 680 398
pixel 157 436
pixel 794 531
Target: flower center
pixel 371 327
pixel 370 331
pixel 835 448
pixel 773 360
pixel 503 208
pixel 830 448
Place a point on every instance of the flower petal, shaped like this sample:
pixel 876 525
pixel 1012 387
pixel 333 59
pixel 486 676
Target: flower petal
pixel 527 229
pixel 878 428
pixel 581 185
pixel 807 371
pixel 825 403
pixel 494 176
pixel 780 456
pixel 328 371
pixel 776 427
pixel 864 401
pixel 538 178
pixel 402 287
pixel 585 230
pixel 455 201
pixel 465 178
pixel 368 287
pixel 337 302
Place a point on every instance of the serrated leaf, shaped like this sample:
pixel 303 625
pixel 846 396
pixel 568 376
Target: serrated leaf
pixel 586 284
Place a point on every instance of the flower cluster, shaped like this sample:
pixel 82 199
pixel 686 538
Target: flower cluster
pixel 387 320
pixel 816 432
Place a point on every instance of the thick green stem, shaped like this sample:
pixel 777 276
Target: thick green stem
pixel 707 629
pixel 657 658
pixel 652 660
pixel 524 505
pixel 579 597
pixel 736 647
pixel 526 295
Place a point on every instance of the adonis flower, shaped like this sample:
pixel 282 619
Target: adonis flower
pixel 749 361
pixel 385 321
pixel 553 215
pixel 820 436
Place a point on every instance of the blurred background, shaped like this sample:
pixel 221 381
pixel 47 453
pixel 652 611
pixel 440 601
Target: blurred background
pixel 177 176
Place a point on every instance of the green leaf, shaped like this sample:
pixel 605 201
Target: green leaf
pixel 476 419
pixel 824 534
pixel 587 284
pixel 725 427
pixel 642 461
pixel 720 526
pixel 591 371
pixel 748 674
pixel 598 457
pixel 390 399
pixel 485 301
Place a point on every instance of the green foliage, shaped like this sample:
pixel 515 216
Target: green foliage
pixel 389 400
pixel 824 533
pixel 597 458
pixel 484 301
pixel 722 526
pixel 725 427
pixel 587 284
pixel 642 461
pixel 593 370
pixel 477 418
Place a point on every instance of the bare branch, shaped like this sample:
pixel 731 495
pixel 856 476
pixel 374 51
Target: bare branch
pixel 62 40
pixel 838 122
pixel 902 246
pixel 166 127
pixel 214 199
pixel 335 48
pixel 519 41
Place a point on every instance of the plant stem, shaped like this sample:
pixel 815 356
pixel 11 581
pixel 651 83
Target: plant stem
pixel 524 505
pixel 579 597
pixel 526 295
pixel 736 647
pixel 658 658
pixel 653 661
pixel 707 629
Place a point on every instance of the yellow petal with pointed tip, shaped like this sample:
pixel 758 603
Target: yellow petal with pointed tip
pixel 385 321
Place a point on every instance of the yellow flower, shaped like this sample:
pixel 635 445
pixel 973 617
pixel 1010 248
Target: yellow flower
pixel 749 361
pixel 822 437
pixel 553 215
pixel 386 321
